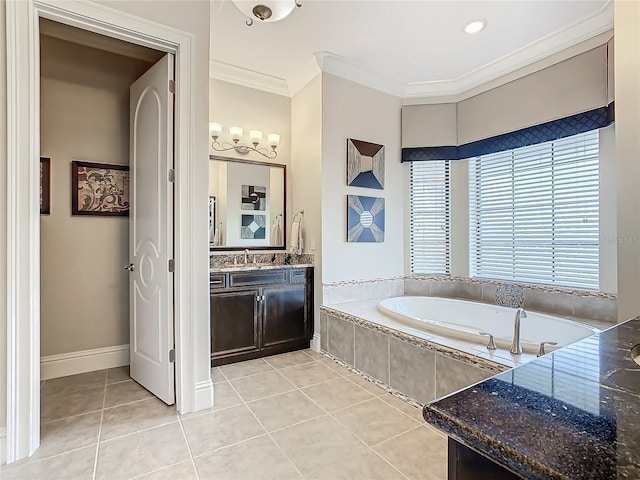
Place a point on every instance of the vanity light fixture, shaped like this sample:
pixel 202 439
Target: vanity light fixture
pixel 266 10
pixel 475 26
pixel 273 139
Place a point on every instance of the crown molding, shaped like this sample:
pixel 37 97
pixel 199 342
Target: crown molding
pixel 304 75
pixel 341 67
pixel 563 39
pixel 248 78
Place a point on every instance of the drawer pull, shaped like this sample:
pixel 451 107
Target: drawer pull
pixel 216 282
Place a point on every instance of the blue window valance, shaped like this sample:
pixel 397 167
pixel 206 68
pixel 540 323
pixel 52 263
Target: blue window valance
pixel 545 132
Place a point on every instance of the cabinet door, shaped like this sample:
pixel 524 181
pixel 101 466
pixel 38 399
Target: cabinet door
pixel 235 326
pixel 284 315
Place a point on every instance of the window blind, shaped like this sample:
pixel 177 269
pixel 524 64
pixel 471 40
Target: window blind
pixel 534 213
pixel 430 219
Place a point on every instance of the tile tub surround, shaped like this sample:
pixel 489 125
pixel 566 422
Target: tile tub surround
pixel 405 360
pixel 357 290
pixel 598 309
pixel 226 260
pixel 570 414
pixel 334 425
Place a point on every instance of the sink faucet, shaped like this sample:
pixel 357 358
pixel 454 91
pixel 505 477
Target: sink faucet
pixel 516 348
pixel 246 256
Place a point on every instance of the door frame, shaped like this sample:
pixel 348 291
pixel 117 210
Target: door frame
pixel 23 219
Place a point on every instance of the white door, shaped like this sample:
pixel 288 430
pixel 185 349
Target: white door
pixel 151 231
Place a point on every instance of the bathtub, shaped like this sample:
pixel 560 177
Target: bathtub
pixel 463 319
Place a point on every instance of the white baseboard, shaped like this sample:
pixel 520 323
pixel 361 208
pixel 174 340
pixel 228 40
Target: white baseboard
pixel 3 445
pixel 55 366
pixel 203 395
pixel 315 342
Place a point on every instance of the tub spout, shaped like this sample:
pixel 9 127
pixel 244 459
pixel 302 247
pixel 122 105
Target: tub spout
pixel 516 348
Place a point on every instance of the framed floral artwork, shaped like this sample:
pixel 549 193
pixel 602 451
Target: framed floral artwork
pixel 99 189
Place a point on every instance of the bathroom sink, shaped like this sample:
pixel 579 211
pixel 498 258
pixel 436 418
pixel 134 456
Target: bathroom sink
pixel 635 354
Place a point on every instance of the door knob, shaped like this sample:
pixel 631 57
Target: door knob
pixel 129 267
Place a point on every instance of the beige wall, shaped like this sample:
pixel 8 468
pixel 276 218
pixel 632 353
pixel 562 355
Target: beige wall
pixel 236 105
pixel 350 110
pixel 84 115
pixel 627 95
pixel 306 172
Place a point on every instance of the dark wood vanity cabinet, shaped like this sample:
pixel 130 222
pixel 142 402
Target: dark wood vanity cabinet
pixel 464 463
pixel 260 312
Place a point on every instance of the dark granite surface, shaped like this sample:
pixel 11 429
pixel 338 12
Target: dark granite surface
pixel 572 414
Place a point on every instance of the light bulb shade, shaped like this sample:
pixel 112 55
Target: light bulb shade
pixel 255 136
pixel 255 9
pixel 236 133
pixel 273 139
pixel 215 129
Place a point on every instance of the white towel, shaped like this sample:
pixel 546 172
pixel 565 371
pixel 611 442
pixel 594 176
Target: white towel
pixel 296 238
pixel 276 233
pixel 217 236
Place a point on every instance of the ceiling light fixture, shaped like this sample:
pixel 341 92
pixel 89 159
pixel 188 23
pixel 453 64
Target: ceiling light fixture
pixel 266 10
pixel 215 129
pixel 475 26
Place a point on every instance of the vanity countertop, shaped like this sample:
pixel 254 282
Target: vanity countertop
pixel 252 267
pixel 570 414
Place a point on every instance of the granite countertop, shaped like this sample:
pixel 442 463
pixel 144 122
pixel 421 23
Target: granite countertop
pixel 570 414
pixel 251 267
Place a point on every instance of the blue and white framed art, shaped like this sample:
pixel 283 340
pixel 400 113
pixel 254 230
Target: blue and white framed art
pixel 365 164
pixel 365 219
pixel 253 227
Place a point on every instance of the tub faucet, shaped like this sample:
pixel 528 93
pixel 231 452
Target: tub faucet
pixel 516 348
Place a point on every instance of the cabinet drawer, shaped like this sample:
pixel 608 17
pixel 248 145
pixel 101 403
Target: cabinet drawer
pixel 257 278
pixel 298 275
pixel 217 281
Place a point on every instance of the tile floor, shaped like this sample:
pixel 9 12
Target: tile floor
pixel 291 416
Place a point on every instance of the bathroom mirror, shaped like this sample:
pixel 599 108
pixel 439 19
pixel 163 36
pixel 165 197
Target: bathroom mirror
pixel 246 204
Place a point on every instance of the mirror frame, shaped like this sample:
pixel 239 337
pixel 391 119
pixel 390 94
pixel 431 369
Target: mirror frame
pixel 224 248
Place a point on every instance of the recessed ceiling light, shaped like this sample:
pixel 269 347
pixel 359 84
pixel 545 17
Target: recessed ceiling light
pixel 475 26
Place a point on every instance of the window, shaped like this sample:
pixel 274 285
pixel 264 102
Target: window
pixel 534 213
pixel 429 223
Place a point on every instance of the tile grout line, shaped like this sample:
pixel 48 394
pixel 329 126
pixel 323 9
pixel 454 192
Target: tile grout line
pixel 396 436
pixel 273 368
pixel 140 431
pixel 402 411
pixel 354 434
pixel 370 447
pixel 158 470
pixel 186 441
pixel 287 379
pixel 61 419
pixel 263 427
pixel 104 400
